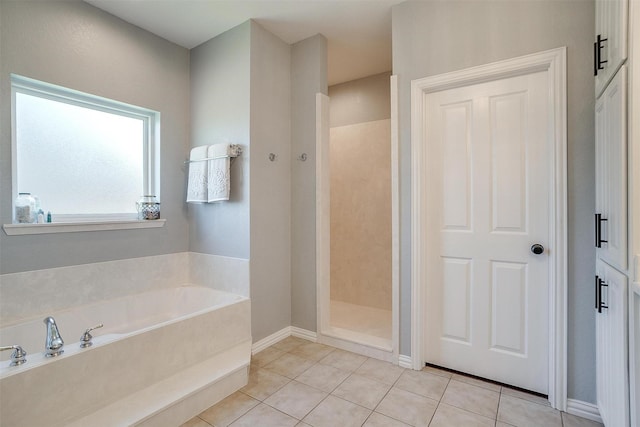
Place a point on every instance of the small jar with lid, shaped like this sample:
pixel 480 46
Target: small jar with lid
pixel 148 208
pixel 25 209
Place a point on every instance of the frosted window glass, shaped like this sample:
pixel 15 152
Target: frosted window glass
pixel 78 160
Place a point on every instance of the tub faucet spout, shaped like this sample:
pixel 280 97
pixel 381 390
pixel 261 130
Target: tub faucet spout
pixel 54 343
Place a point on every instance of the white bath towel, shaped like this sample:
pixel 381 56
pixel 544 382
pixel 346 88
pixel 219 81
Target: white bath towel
pixel 219 171
pixel 197 185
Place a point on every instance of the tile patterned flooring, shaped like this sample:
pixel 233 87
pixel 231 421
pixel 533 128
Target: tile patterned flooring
pixel 299 383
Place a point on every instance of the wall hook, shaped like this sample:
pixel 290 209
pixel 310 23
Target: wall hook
pixel 302 157
pixel 272 157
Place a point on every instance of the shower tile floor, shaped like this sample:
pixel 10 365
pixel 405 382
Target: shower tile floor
pixel 299 383
pixel 365 320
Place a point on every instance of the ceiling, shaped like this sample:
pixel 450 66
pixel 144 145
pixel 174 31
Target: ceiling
pixel 358 31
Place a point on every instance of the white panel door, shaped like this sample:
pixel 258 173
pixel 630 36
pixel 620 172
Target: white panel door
pixel 489 162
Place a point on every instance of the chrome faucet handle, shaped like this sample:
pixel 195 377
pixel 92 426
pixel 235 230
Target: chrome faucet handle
pixel 85 339
pixel 18 357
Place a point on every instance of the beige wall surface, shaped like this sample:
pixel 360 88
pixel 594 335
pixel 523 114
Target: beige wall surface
pixel 361 214
pixel 362 100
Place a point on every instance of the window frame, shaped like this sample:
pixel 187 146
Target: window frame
pixel 151 139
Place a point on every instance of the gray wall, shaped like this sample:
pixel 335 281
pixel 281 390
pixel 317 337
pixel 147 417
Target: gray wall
pixel 220 112
pixel 308 77
pixel 361 100
pixel 76 45
pixel 434 37
pixel 241 93
pixel 270 183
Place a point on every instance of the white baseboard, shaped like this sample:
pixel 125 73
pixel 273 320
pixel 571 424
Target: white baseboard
pixel 405 361
pixel 304 334
pixel 270 340
pixel 584 410
pixel 282 334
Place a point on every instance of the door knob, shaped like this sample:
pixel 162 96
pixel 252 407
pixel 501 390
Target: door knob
pixel 537 248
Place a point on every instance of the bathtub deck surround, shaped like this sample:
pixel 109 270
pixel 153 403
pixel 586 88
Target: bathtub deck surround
pixel 39 293
pixel 163 349
pixel 174 340
pixel 119 318
pixel 171 401
pixel 299 383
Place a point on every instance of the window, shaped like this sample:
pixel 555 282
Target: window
pixel 86 158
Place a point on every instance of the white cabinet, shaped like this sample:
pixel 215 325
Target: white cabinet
pixel 610 46
pixel 611 172
pixel 634 353
pixel 612 212
pixel 612 376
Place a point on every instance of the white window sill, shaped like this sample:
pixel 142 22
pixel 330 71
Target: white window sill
pixel 73 227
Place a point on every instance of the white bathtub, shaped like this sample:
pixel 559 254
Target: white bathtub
pixel 146 339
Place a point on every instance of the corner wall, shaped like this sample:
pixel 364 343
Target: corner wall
pixel 76 45
pixel 434 37
pixel 220 112
pixel 241 93
pixel 270 207
pixel 308 77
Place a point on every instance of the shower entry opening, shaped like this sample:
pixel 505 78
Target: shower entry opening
pixel 357 233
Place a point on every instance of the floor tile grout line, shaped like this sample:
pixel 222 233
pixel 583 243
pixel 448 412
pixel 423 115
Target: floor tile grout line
pixel 282 412
pixel 275 391
pixel 337 397
pixel 527 400
pixel 469 410
pixel 367 419
pixel 207 423
pixel 330 393
pixel 244 413
pixel 294 379
pixel 499 403
pixel 384 397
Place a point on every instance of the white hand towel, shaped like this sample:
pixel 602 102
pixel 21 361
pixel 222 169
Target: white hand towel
pixel 197 184
pixel 219 173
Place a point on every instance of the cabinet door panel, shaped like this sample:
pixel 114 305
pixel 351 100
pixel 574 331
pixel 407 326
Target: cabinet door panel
pixel 611 170
pixel 611 348
pixel 611 25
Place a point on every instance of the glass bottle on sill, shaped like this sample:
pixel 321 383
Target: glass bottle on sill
pixel 148 208
pixel 25 209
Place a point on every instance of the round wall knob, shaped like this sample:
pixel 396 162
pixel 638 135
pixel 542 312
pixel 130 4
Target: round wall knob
pixel 537 249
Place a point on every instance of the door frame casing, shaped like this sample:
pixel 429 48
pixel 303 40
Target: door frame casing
pixel 554 63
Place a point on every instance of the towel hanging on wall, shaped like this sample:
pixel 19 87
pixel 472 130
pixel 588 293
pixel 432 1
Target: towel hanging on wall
pixel 210 172
pixel 219 172
pixel 197 185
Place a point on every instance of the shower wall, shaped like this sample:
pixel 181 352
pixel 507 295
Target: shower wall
pixel 360 147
